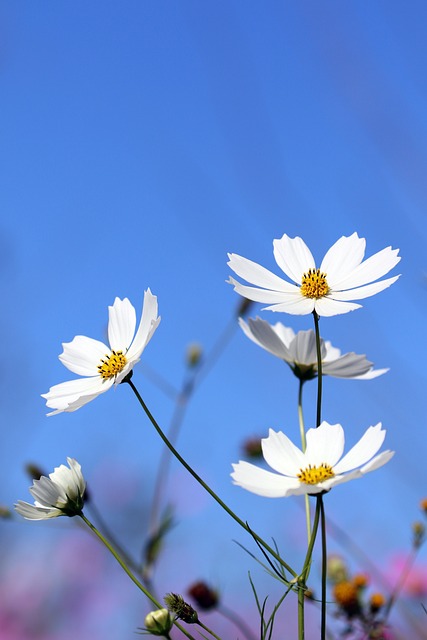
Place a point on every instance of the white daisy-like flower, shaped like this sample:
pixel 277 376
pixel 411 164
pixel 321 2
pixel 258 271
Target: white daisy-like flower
pixel 61 494
pixel 102 366
pixel 299 351
pixel 319 469
pixel 342 276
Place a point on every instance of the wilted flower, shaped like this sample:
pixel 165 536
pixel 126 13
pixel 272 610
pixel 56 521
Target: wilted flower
pixel 300 352
pixel 342 276
pixel 104 366
pixel 346 596
pixel 315 471
pixel 61 494
pixel 159 622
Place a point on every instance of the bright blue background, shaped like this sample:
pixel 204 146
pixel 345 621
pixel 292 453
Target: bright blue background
pixel 141 142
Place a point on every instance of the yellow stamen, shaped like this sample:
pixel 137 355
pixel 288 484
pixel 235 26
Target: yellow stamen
pixel 313 475
pixel 112 365
pixel 314 284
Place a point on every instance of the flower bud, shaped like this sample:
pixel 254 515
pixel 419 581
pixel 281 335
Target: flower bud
pixel 418 530
pixel 194 355
pixel 182 610
pixel 252 447
pixel 360 580
pixel 346 597
pixel 159 622
pixel 337 569
pixel 376 602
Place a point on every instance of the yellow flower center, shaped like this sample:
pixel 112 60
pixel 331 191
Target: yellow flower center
pixel 313 475
pixel 314 284
pixel 112 365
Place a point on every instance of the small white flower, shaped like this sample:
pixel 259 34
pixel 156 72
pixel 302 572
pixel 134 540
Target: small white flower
pixel 342 276
pixel 318 469
pixel 300 352
pixel 61 494
pixel 104 366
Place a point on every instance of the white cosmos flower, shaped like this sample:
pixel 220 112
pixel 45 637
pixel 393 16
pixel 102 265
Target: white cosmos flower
pixel 61 494
pixel 318 469
pixel 300 352
pixel 342 276
pixel 102 366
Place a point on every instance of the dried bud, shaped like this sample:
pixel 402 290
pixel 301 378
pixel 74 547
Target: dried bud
pixel 423 505
pixel 337 569
pixel 159 622
pixel 418 530
pixel 376 602
pixel 182 610
pixel 194 355
pixel 205 597
pixel 252 447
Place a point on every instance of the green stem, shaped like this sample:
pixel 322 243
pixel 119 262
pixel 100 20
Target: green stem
pixel 208 630
pixel 203 484
pixel 319 370
pixel 324 567
pixel 304 446
pixel 302 580
pixel 126 569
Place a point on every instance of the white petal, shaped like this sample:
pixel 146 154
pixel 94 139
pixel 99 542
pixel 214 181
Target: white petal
pixel 281 454
pixel 263 483
pixel 45 492
pixel 332 353
pixel 265 336
pixel 293 303
pixel 286 334
pixel 371 269
pixel 121 324
pixel 293 257
pixel 377 462
pixel 329 307
pixel 83 355
pixel 32 512
pixel 349 365
pixel 371 374
pixel 363 292
pixel 325 444
pixel 147 326
pixel 264 295
pixel 257 275
pixel 343 257
pixel 71 395
pixel 363 450
pixel 303 348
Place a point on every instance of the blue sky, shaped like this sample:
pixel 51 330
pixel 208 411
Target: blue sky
pixel 141 142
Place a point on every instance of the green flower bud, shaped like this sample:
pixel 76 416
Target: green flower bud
pixel 159 622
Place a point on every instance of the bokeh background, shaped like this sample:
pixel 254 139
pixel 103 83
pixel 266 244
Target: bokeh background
pixel 141 142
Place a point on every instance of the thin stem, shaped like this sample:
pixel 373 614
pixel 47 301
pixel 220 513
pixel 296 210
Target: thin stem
pixel 319 370
pixel 302 580
pixel 236 620
pixel 400 583
pixel 126 569
pixel 324 566
pixel 213 634
pixel 203 484
pixel 181 402
pixel 107 532
pixel 304 446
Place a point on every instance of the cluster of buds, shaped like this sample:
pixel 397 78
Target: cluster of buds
pixel 354 605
